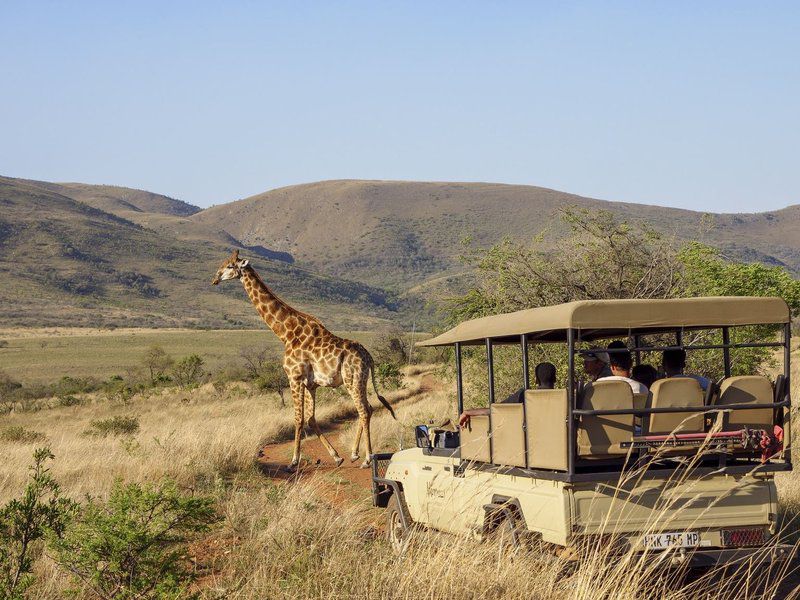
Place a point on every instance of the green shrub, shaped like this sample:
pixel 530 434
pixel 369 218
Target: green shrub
pixel 3 343
pixel 18 433
pixel 389 376
pixel 188 371
pixel 24 521
pixel 113 426
pixel 70 400
pixel 134 545
pixel 8 385
pixel 75 385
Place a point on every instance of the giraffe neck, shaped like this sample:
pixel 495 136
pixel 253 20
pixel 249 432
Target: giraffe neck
pixel 272 309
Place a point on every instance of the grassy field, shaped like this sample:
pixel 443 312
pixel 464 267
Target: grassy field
pixel 312 537
pixel 44 355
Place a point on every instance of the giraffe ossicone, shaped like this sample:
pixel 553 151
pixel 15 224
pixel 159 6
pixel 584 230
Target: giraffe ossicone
pixel 313 357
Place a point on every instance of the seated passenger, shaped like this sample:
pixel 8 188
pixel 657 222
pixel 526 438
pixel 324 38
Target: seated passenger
pixel 545 374
pixel 644 374
pixel 674 362
pixel 595 364
pixel 621 367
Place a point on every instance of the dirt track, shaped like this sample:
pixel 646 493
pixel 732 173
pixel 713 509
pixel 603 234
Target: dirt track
pixel 347 482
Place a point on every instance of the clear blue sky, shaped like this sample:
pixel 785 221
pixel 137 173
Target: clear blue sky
pixel 684 104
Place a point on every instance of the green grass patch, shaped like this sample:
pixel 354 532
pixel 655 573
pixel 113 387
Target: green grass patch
pixel 20 435
pixel 113 426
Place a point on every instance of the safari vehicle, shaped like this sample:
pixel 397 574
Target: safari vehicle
pixel 678 473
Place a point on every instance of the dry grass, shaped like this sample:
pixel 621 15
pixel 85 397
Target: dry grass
pixel 288 540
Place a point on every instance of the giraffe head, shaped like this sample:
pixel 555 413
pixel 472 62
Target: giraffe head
pixel 231 268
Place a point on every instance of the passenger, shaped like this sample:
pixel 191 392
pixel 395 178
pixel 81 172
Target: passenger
pixel 595 364
pixel 674 362
pixel 645 374
pixel 621 367
pixel 545 375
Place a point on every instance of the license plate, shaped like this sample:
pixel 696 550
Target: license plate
pixel 680 539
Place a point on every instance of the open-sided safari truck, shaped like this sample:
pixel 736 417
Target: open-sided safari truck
pixel 677 470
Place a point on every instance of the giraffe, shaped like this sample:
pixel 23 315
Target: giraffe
pixel 313 357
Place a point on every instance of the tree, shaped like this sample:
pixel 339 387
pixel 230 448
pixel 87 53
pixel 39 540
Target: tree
pixel 272 378
pixel 157 362
pixel 604 257
pixel 188 370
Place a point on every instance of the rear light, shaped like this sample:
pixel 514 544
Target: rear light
pixel 755 536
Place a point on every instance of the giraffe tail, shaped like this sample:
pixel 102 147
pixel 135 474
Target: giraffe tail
pixel 381 398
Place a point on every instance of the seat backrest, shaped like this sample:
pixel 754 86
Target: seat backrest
pixel 546 413
pixel 599 436
pixel 475 439
pixel 747 389
pixel 508 435
pixel 675 392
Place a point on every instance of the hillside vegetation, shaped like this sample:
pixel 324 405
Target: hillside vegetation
pixel 360 254
pixel 399 234
pixel 65 262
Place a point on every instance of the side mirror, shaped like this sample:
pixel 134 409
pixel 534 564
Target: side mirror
pixel 421 436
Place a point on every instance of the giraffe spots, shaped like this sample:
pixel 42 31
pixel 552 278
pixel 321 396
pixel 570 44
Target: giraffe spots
pixel 291 323
pixel 289 335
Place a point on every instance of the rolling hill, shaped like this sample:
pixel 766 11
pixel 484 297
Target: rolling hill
pixel 65 262
pixel 360 254
pixel 403 234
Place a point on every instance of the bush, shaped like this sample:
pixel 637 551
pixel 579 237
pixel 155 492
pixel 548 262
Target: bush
pixel 75 385
pixel 113 426
pixel 70 401
pixel 188 371
pixel 24 521
pixel 133 546
pixel 19 434
pixel 157 362
pixel 273 379
pixel 389 376
pixel 8 386
pixel 3 343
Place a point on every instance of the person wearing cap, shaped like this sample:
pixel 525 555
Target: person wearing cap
pixel 545 374
pixel 674 362
pixel 595 364
pixel 621 362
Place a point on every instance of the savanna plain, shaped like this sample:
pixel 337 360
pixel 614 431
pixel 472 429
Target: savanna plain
pixel 312 534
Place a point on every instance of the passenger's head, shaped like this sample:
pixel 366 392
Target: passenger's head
pixel 673 361
pixel 644 374
pixel 594 362
pixel 545 373
pixel 620 361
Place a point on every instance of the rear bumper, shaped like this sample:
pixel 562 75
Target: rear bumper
pixel 725 556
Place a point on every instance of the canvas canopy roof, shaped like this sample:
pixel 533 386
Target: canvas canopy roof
pixel 610 318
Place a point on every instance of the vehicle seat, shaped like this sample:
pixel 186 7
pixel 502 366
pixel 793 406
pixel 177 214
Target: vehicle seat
pixel 475 439
pixel 600 436
pixel 675 392
pixel 546 413
pixel 508 434
pixel 747 389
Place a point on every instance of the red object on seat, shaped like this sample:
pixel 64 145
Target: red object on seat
pixel 770 444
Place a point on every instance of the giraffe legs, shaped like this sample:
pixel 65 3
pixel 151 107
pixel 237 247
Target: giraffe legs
pixel 312 422
pixel 356 384
pixel 354 454
pixel 297 399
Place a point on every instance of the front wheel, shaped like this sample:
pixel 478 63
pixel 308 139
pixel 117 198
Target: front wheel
pixel 397 532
